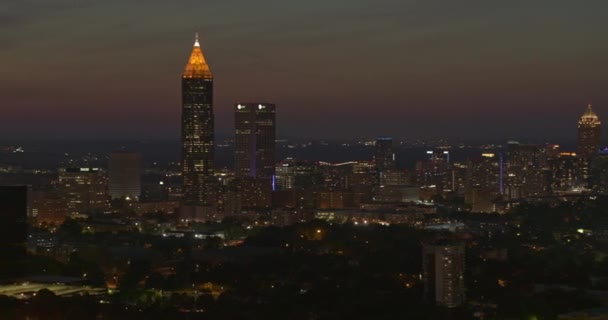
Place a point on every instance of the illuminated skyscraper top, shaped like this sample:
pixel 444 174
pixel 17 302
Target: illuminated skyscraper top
pixel 197 66
pixel 589 118
pixel 588 134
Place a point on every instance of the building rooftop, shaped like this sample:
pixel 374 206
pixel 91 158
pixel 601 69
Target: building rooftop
pixel 197 66
pixel 589 117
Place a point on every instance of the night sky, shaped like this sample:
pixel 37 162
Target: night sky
pixel 335 69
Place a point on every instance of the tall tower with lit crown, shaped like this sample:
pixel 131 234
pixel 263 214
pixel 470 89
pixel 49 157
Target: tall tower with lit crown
pixel 197 130
pixel 588 134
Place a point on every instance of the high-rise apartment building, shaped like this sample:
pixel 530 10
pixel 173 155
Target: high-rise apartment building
pixel 443 273
pixel 197 131
pixel 124 175
pixel 588 134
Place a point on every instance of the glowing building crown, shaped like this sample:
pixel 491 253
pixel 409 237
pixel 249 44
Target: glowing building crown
pixel 589 118
pixel 197 66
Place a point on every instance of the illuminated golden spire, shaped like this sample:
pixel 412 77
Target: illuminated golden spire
pixel 197 66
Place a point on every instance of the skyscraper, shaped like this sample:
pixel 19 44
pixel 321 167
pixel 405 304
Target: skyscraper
pixel 255 140
pixel 588 134
pixel 443 273
pixel 125 175
pixel 255 134
pixel 384 157
pixel 197 130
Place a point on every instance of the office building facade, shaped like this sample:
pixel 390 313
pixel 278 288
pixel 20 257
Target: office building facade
pixel 255 134
pixel 84 190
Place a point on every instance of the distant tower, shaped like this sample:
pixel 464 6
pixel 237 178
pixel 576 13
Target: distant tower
pixel 124 175
pixel 384 157
pixel 255 134
pixel 255 140
pixel 197 130
pixel 443 273
pixel 588 134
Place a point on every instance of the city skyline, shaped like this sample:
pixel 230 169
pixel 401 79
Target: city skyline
pixel 394 159
pixel 512 76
